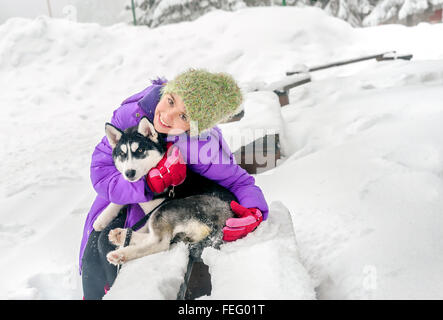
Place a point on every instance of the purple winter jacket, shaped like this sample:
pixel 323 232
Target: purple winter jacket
pixel 218 165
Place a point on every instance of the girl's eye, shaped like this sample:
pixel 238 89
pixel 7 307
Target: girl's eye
pixel 184 117
pixel 170 101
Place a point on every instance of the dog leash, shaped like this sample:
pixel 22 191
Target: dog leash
pixel 142 221
pixel 137 225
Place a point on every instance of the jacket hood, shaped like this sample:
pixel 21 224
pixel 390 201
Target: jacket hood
pixel 149 99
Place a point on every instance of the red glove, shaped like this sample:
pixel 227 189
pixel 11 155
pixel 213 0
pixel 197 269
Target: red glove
pixel 237 228
pixel 171 170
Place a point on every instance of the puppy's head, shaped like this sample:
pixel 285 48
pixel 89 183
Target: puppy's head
pixel 136 150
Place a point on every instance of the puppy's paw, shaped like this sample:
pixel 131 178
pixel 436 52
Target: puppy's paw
pixel 117 236
pixel 116 257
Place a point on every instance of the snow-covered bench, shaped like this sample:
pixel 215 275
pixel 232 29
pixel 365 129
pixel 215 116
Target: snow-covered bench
pixel 301 74
pixel 264 265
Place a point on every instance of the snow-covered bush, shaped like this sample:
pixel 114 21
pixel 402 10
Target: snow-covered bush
pixel 356 12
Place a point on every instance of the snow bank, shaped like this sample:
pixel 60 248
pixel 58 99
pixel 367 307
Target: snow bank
pixel 154 277
pixel 264 266
pixel 39 231
pixel 251 126
pixel 365 183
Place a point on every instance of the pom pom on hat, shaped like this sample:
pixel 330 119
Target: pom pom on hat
pixel 209 98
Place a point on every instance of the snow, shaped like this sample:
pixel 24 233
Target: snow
pixel 148 279
pixel 251 127
pixel 105 12
pixel 237 266
pixel 383 11
pixel 397 10
pixel 387 213
pixel 361 175
pixel 412 6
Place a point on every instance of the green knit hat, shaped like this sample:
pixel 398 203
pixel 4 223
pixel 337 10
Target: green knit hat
pixel 209 98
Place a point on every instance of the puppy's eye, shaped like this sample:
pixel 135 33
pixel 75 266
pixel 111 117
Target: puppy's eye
pixel 139 150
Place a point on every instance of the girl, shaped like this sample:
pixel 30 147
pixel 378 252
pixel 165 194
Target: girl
pixel 187 109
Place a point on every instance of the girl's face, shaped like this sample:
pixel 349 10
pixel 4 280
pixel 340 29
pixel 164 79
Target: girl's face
pixel 170 115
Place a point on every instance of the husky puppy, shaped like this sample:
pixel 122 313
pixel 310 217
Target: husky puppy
pixel 135 151
pixel 196 215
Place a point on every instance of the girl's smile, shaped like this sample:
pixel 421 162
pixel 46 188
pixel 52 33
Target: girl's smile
pixel 165 125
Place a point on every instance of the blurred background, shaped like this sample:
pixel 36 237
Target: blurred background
pixel 153 13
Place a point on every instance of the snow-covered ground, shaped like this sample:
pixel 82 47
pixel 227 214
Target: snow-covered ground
pixel 362 174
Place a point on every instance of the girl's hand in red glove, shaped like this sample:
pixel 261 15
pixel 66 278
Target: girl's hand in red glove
pixel 237 228
pixel 171 170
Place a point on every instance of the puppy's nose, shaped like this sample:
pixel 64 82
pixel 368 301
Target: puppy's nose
pixel 130 173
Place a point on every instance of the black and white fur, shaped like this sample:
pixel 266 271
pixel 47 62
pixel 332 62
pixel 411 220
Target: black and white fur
pixel 135 151
pixel 196 215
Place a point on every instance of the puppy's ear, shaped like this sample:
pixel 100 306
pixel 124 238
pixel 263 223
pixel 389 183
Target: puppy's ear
pixel 146 128
pixel 114 134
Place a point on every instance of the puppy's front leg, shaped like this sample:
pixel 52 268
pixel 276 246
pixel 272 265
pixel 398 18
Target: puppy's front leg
pixel 107 215
pixel 117 237
pixel 148 206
